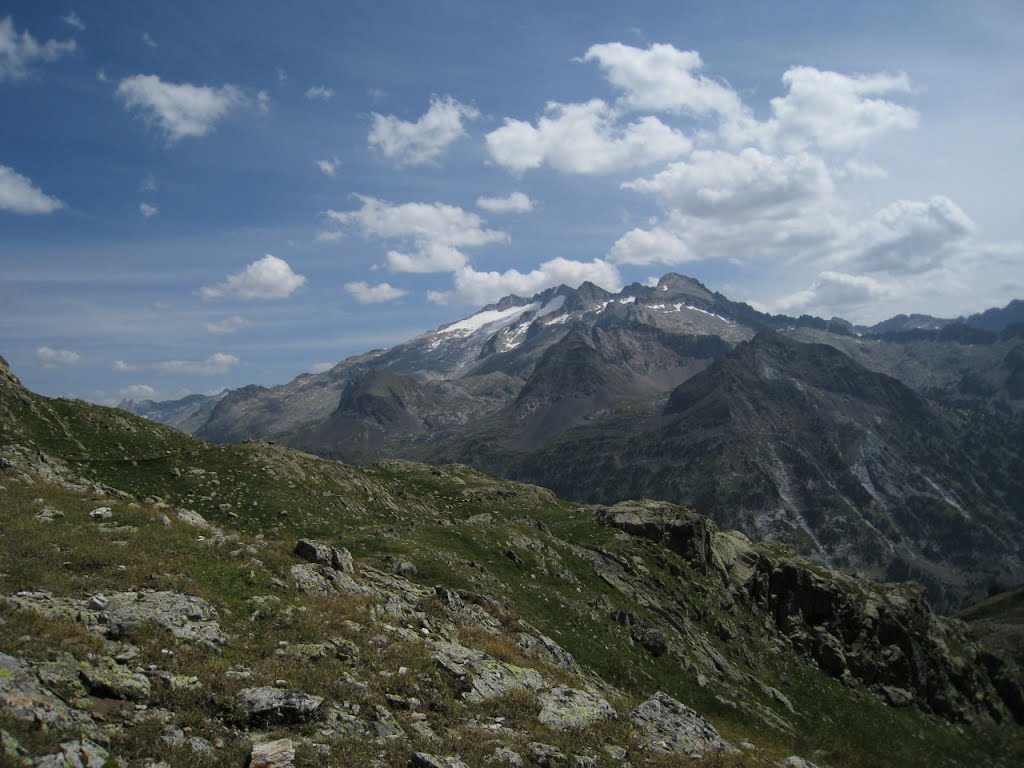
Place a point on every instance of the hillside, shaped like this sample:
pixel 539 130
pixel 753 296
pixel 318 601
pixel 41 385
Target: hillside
pixel 192 616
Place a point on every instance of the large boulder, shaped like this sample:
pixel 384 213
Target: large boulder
pixel 668 725
pixel 264 705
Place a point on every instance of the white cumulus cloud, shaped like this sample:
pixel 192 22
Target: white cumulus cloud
pixel 365 293
pixel 651 246
pixel 51 358
pixel 834 292
pixel 516 202
pixel 266 278
pixel 431 234
pixel 422 141
pixel 19 195
pixel 216 364
pixel 584 139
pixel 831 111
pixel 180 110
pixel 19 51
pixel 473 287
pixel 138 392
pixel 663 78
pixel 909 237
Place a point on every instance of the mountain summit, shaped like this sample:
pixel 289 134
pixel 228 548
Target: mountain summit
pixel 890 451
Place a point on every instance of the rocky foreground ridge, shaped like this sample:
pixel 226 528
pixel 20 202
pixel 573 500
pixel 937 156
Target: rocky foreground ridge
pixel 169 602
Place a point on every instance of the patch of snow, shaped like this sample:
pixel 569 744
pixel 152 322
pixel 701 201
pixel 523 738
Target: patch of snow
pixel 552 306
pixel 560 319
pixel 705 312
pixel 627 300
pixel 664 287
pixel 490 320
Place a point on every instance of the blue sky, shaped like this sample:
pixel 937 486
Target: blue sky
pixel 196 195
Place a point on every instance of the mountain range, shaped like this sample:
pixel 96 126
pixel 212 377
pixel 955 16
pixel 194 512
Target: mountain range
pixel 892 450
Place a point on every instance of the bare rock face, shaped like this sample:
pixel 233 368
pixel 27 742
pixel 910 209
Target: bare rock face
pixel 425 760
pixel 671 726
pixel 80 753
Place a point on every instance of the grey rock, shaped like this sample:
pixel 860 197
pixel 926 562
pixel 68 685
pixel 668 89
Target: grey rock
pixel 115 682
pixel 275 705
pixel 324 554
pixel 484 676
pixel 101 513
pixel 47 515
pixel 671 726
pixel 425 760
pixel 24 698
pixel 75 754
pixel 615 752
pixel 184 616
pixel 564 707
pixel 793 761
pixel 279 753
pixel 194 519
pixel 385 724
pixel 504 756
pixel 897 697
pixel 547 756
pixel 315 579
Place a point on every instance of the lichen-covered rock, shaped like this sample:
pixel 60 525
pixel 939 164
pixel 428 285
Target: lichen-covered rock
pixel 671 726
pixel 115 682
pixel 570 708
pixel 264 705
pixel 315 579
pixel 504 756
pixel 80 753
pixel 184 616
pixel 24 698
pixel 794 761
pixel 547 756
pixel 279 753
pixel 484 676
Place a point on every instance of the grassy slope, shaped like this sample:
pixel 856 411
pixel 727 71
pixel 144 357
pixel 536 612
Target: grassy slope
pixel 411 511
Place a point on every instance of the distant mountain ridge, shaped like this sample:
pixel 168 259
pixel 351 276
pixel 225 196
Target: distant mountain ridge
pixel 867 448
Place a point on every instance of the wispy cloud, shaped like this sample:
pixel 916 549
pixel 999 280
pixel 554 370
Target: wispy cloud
pixel 516 202
pixel 227 325
pixel 74 20
pixel 52 358
pixel 19 195
pixel 147 210
pixel 319 93
pixel 19 51
pixel 216 364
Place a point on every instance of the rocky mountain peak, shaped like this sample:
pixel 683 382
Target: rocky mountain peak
pixel 675 285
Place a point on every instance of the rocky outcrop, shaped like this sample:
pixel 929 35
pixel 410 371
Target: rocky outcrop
pixel 122 614
pixel 884 636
